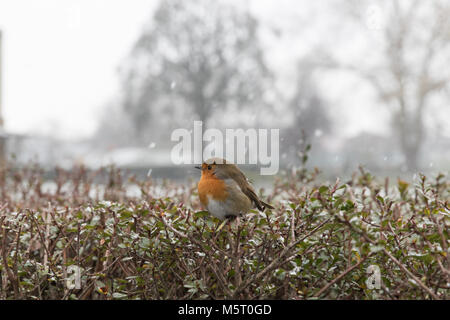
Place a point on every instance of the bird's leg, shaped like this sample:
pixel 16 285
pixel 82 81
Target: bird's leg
pixel 236 224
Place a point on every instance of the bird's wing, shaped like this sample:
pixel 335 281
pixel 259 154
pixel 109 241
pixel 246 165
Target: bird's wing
pixel 238 176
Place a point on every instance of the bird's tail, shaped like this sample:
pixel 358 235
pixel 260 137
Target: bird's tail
pixel 265 206
pixel 261 205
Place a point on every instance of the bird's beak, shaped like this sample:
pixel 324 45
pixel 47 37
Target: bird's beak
pixel 198 167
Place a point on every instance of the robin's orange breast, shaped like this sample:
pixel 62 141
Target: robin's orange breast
pixel 212 187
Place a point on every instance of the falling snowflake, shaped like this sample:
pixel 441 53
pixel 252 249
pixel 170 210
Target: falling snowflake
pixel 152 145
pixel 318 133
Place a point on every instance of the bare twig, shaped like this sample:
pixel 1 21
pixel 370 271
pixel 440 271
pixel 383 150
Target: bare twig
pixel 340 276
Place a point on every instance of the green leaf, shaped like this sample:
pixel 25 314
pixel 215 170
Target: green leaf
pixel 380 199
pixel 201 214
pixel 323 189
pixel 376 248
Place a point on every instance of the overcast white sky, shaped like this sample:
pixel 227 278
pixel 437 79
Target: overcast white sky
pixel 60 58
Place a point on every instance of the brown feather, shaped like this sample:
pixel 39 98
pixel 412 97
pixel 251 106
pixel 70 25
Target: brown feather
pixel 231 171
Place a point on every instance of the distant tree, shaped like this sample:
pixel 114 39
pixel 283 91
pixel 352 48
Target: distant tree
pixel 310 118
pixel 308 107
pixel 194 57
pixel 412 70
pixel 115 129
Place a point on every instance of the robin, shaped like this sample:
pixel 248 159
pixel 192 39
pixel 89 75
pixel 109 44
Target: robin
pixel 225 191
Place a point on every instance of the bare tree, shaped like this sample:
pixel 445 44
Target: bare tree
pixel 307 105
pixel 194 57
pixel 309 112
pixel 410 72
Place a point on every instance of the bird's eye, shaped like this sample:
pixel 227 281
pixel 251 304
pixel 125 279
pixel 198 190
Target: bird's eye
pixel 209 167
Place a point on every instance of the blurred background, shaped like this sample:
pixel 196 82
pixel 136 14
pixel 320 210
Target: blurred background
pixel 99 82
